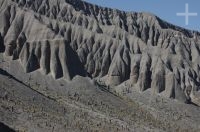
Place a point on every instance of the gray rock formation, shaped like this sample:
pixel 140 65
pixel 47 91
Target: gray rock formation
pixel 66 38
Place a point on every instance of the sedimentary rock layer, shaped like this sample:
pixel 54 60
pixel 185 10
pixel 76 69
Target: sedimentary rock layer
pixel 66 38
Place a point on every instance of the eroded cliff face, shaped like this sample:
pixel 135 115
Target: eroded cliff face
pixel 66 38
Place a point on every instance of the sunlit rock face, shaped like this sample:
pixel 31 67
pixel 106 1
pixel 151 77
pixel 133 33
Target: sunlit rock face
pixel 66 38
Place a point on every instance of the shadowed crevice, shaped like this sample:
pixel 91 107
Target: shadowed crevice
pixel 75 66
pixel 2 46
pixel 5 128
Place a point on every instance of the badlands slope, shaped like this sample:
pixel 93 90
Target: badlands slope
pixel 122 52
pixel 69 38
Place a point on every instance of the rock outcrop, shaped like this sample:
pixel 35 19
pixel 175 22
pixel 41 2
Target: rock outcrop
pixel 66 38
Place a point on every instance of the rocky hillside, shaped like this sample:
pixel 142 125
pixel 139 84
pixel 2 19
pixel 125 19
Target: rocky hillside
pixel 66 38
